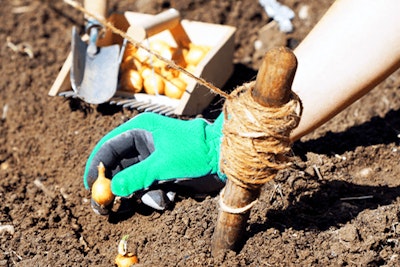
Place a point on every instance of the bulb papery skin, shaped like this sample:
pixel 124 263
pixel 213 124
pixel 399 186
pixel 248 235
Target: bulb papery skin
pixel 101 188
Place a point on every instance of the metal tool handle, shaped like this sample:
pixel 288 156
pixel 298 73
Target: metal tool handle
pixel 99 9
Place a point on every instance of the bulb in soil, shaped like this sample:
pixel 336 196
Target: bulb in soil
pixel 126 260
pixel 101 188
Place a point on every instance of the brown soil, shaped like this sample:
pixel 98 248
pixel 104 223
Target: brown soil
pixel 303 218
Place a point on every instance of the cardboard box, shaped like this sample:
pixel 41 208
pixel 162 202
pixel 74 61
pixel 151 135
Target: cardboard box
pixel 216 67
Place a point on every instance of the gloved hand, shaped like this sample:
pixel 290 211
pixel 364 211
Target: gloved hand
pixel 150 150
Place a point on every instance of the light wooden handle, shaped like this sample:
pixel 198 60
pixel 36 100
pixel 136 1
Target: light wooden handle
pixel 96 7
pixel 162 21
pixel 167 20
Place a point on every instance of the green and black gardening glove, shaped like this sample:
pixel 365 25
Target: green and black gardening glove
pixel 151 152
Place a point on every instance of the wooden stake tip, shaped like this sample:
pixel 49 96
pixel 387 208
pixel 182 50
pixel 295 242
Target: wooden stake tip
pixel 275 77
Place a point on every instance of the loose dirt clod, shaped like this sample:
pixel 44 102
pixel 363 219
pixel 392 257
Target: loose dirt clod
pixel 7 228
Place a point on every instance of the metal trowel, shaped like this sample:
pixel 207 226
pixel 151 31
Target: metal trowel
pixel 94 70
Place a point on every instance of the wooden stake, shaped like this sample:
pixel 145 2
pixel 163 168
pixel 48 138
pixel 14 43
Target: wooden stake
pixel 272 89
pixel 275 77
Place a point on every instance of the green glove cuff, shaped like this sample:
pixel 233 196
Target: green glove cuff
pixel 214 139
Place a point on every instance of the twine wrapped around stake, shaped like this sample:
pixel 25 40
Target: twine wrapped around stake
pixel 259 117
pixel 256 138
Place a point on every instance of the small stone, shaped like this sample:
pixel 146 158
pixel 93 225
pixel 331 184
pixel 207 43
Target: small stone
pixel 4 166
pixel 348 233
pixel 303 12
pixel 365 172
pixel 7 228
pixel 258 44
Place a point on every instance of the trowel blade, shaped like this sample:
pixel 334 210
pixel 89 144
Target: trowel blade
pixel 94 78
pixel 78 49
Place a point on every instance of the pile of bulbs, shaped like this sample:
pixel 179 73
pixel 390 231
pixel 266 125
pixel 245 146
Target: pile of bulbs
pixel 141 71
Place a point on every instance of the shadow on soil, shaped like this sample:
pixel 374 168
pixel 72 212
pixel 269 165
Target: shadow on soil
pixel 376 131
pixel 327 206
